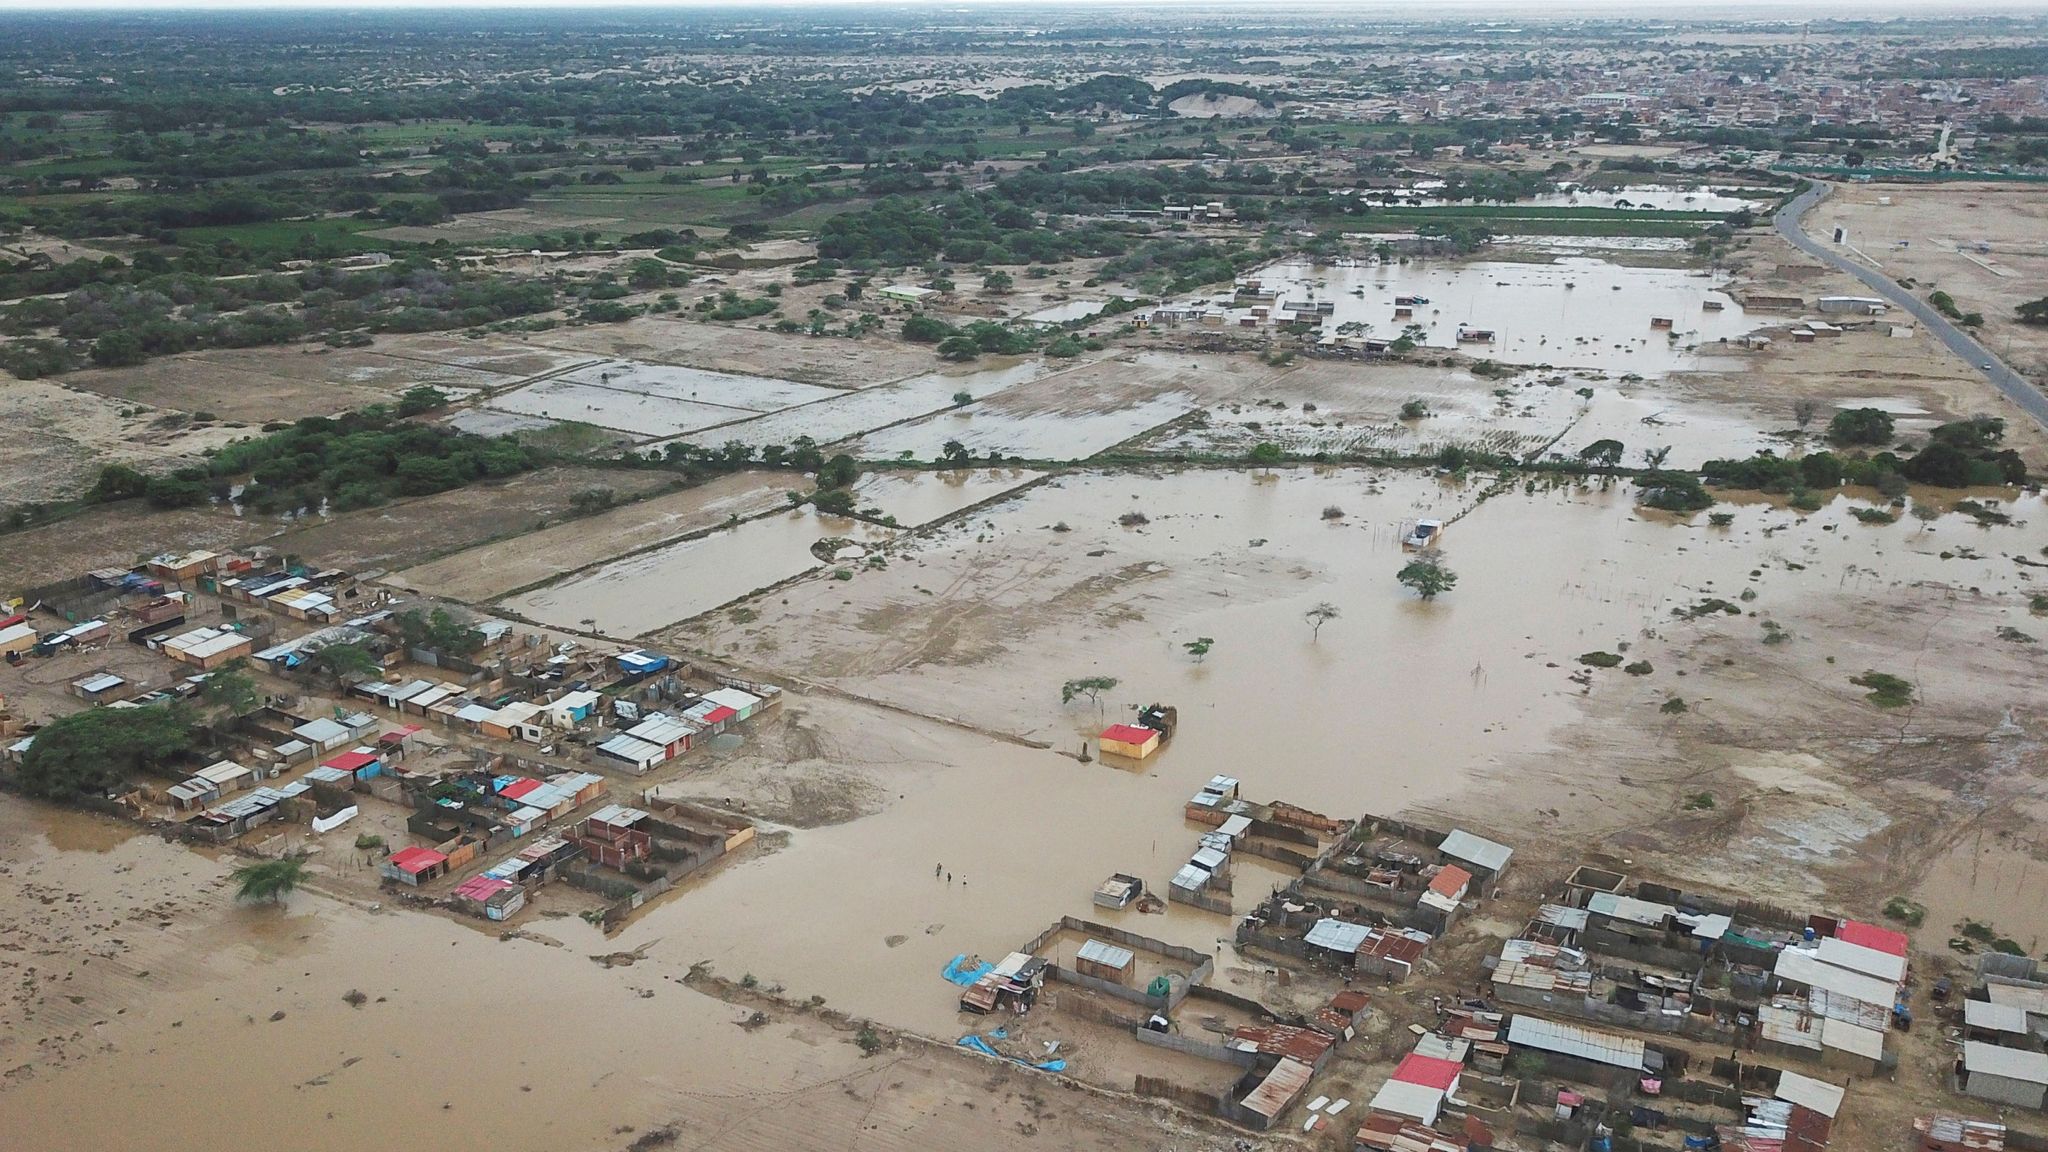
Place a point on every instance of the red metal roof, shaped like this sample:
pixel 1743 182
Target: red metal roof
pixel 1128 733
pixel 349 761
pixel 1428 1071
pixel 720 714
pixel 1303 1044
pixel 518 788
pixel 1871 936
pixel 416 860
pixel 1451 881
pixel 482 887
pixel 1351 1000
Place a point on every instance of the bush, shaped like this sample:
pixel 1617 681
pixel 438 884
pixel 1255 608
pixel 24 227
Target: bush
pixel 1639 668
pixel 1886 690
pixel 1672 491
pixel 924 329
pixel 1673 707
pixel 1905 911
pixel 1600 659
pixel 1871 426
pixel 1414 410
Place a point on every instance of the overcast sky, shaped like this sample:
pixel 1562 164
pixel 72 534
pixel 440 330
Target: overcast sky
pixel 1735 9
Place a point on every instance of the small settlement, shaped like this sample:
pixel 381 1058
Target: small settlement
pixel 448 761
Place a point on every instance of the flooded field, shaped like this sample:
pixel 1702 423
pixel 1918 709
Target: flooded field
pixel 1071 310
pixel 1397 705
pixel 852 413
pixel 1653 197
pixel 1339 406
pixel 1574 312
pixel 1068 416
pixel 490 571
pixel 915 498
pixel 653 400
pixel 638 595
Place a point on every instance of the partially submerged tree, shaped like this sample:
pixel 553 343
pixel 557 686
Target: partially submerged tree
pixel 94 752
pixel 1428 578
pixel 1318 616
pixel 344 661
pixel 1199 647
pixel 1090 686
pixel 270 880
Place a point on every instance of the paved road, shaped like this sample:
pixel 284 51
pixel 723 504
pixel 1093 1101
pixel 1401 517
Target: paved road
pixel 2014 385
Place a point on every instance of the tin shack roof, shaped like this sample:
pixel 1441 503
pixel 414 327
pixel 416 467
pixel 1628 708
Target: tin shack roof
pixel 1463 845
pixel 1584 1043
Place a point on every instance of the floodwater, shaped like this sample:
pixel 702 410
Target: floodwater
pixel 1651 197
pixel 655 399
pixel 1072 414
pixel 1397 704
pixel 1994 879
pixel 640 594
pixel 1575 312
pixel 916 498
pixel 851 413
pixel 1069 311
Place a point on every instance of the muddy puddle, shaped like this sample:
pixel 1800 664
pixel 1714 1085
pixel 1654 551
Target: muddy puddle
pixel 1571 312
pixel 852 413
pixel 640 594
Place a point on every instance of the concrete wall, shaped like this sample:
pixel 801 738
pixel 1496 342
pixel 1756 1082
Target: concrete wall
pixel 1193 1046
pixel 1208 901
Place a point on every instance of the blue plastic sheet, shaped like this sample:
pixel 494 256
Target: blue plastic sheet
pixel 981 1046
pixel 959 973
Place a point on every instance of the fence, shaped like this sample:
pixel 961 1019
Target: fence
pixel 1200 966
pixel 1206 901
pixel 1192 1046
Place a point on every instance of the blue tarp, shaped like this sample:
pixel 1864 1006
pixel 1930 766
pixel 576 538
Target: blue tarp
pixel 959 973
pixel 981 1046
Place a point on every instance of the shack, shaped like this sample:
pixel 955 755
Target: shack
pixel 97 688
pixel 1485 859
pixel 1105 962
pixel 207 648
pixel 1606 1049
pixel 1418 1087
pixel 415 866
pixel 2007 1075
pixel 1129 740
pixel 490 897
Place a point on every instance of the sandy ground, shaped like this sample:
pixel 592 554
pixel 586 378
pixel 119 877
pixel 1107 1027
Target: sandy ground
pixel 491 571
pixel 1941 227
pixel 254 385
pixel 54 439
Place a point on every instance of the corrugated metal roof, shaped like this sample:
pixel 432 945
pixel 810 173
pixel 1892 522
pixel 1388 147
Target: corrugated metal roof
pixel 2033 1000
pixel 1463 845
pixel 633 750
pixel 2009 1063
pixel 1413 1101
pixel 1864 1042
pixel 1191 878
pixel 1305 1044
pixel 1108 955
pixel 1563 916
pixel 617 814
pixel 98 682
pixel 660 729
pixel 1857 958
pixel 1645 912
pixel 1817 1095
pixel 1584 1043
pixel 1997 1017
pixel 1235 826
pixel 1209 859
pixel 1711 927
pixel 732 698
pixel 1871 936
pixel 224 772
pixel 1803 967
pixel 1786 1021
pixel 1434 1071
pixel 1279 1088
pixel 1537 978
pixel 1337 935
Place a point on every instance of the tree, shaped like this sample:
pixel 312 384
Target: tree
pixel 440 630
pixel 118 482
pixel 1318 616
pixel 1199 647
pixel 962 398
pixel 1861 426
pixel 270 880
pixel 1090 686
pixel 231 689
pixel 1603 454
pixel 955 453
pixel 997 282
pixel 1655 457
pixel 421 398
pixel 2034 311
pixel 1414 410
pixel 118 349
pixel 94 752
pixel 959 348
pixel 1428 578
pixel 926 329
pixel 346 662
pixel 838 472
pixel 1265 455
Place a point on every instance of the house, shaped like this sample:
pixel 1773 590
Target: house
pixel 184 567
pixel 17 638
pixel 193 793
pixel 1119 891
pixel 360 764
pixel 1418 1087
pixel 1486 860
pixel 1956 1134
pixel 570 709
pixel 207 648
pixel 1851 1009
pixel 709 716
pixel 1286 1041
pixel 1447 888
pixel 1016 981
pixel 2007 1075
pixel 1554 1039
pixel 393 695
pixel 743 704
pixel 639 754
pixel 414 866
pixel 907 293
pixel 1129 740
pixel 1382 1132
pixel 641 663
pixel 226 776
pixel 1995 1023
pixel 322 734
pixel 98 687
pixel 672 736
pixel 493 898
pixel 1808 1107
pixel 1343 1014
pixel 1105 962
pixel 1262 1106
pixel 513 722
pixel 251 809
